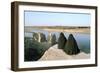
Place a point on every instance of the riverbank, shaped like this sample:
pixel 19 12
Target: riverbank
pixel 77 30
pixel 53 53
pixel 69 30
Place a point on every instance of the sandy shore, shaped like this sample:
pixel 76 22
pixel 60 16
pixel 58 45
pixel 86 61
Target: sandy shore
pixel 57 54
pixel 84 30
pixel 76 30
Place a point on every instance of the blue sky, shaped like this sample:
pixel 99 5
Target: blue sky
pixel 40 18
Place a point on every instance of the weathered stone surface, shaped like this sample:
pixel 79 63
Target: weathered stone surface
pixel 53 40
pixel 49 38
pixel 35 36
pixel 61 41
pixel 43 37
pixel 40 37
pixel 71 46
pixel 34 50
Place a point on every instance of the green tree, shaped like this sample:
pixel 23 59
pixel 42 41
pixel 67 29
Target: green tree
pixel 61 41
pixel 71 46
